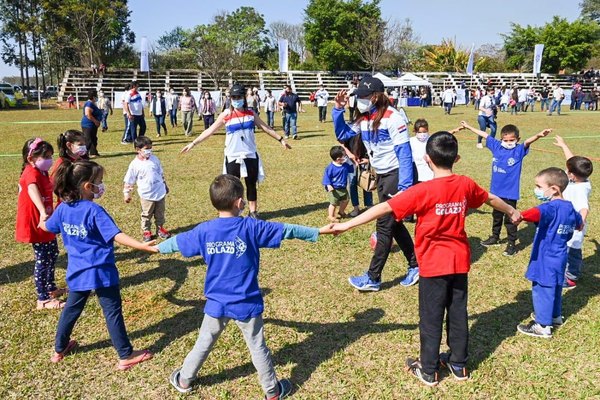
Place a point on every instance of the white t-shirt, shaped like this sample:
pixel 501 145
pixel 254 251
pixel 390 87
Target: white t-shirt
pixel 418 152
pixel 135 101
pixel 523 95
pixel 578 193
pixel 558 93
pixel 322 96
pixel 487 103
pixel 148 175
pixel 448 96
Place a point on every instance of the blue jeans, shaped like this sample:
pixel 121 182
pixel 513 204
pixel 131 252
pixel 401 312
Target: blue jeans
pixel 126 135
pixel 447 107
pixel 110 301
pixel 547 303
pixel 289 121
pixel 367 196
pixel 544 104
pixel 574 263
pixel 173 115
pixel 160 122
pixel 484 123
pixel 555 106
pixel 271 118
pixel 104 121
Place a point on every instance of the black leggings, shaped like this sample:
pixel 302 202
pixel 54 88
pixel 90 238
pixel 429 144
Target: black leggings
pixel 233 168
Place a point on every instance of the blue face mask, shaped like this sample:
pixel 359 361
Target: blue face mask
pixel 237 103
pixel 540 194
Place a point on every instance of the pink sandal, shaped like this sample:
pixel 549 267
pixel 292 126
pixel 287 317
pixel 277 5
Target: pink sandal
pixel 58 357
pixel 51 304
pixel 136 357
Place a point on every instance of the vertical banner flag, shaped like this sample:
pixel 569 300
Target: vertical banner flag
pixel 537 58
pixel 144 49
pixel 471 59
pixel 283 55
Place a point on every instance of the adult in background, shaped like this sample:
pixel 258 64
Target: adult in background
pixel 558 96
pixel 105 105
pixel 90 123
pixel 270 108
pixel 384 133
pixel 134 106
pixel 241 156
pixel 544 93
pixel 187 105
pixel 172 101
pixel 290 104
pixel 126 132
pixel 487 115
pixel 322 96
pixel 158 108
pixel 448 100
pixel 208 108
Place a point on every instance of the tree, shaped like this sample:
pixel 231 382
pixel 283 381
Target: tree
pixel 372 50
pixel 445 57
pixel 590 9
pixel 402 44
pixel 566 45
pixel 294 34
pixel 333 31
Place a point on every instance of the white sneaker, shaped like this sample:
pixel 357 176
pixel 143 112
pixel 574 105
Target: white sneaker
pixel 479 145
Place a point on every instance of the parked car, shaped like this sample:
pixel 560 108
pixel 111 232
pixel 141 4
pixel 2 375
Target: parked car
pixel 51 91
pixel 10 98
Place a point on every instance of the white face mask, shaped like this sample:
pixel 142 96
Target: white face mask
pixel 363 105
pixel 147 153
pixel 508 145
pixel 422 136
pixel 101 190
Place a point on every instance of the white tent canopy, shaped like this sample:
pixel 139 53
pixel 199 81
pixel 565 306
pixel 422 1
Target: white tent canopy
pixel 405 80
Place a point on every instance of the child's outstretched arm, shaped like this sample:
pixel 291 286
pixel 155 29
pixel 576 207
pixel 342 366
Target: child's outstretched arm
pixel 499 204
pixel 537 136
pixel 128 241
pixel 474 130
pixel 372 213
pixel 560 142
pixel 168 246
pixel 456 130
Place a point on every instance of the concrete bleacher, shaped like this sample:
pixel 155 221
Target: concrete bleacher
pixel 80 80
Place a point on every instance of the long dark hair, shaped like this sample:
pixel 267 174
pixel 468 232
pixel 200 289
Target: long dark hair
pixel 382 102
pixel 68 136
pixel 35 147
pixel 70 176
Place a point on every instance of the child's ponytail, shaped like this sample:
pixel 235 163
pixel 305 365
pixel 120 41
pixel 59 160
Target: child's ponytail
pixel 70 177
pixel 69 136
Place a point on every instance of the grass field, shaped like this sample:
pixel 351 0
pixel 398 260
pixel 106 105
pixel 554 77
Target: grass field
pixel 330 340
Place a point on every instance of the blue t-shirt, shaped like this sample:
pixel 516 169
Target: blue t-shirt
pixel 506 169
pixel 88 233
pixel 230 247
pixel 337 175
pixel 289 102
pixel 96 112
pixel 558 221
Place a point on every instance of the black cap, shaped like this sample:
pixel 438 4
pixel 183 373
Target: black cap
pixel 237 90
pixel 369 85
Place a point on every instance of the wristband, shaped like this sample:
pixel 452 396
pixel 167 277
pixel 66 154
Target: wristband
pixel 280 139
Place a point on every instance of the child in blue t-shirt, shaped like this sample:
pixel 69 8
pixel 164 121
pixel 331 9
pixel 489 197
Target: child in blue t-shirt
pixel 88 234
pixel 335 180
pixel 230 245
pixel 507 161
pixel 556 220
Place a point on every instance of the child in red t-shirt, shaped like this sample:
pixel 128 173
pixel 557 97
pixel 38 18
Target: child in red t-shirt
pixel 71 147
pixel 443 254
pixel 35 205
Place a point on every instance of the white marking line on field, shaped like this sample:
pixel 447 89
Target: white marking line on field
pixel 39 122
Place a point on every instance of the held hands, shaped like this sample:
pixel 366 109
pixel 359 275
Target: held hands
pixel 515 216
pixel 327 230
pixel 338 228
pixel 341 99
pixel 465 125
pixel 149 247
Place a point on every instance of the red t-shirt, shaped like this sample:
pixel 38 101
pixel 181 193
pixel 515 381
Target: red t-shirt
pixel 441 244
pixel 28 216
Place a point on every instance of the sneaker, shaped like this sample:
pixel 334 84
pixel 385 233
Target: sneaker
pixel 295 137
pixel 354 213
pixel 459 373
pixel 162 233
pixel 479 145
pixel 569 284
pixel 364 283
pixel 174 381
pixel 413 366
pixel 511 250
pixel 285 388
pixel 253 214
pixel 147 236
pixel 411 277
pixel 535 329
pixel 286 136
pixel 125 142
pixel 556 321
pixel 491 241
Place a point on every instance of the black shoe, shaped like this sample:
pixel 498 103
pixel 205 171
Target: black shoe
pixel 459 373
pixel 413 366
pixel 511 250
pixel 285 388
pixel 253 214
pixel 491 241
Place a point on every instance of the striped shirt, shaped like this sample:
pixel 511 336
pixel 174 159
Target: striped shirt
pixel 239 128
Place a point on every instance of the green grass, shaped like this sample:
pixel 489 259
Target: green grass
pixel 332 341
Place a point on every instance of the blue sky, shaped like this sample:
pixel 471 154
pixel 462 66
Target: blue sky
pixel 467 21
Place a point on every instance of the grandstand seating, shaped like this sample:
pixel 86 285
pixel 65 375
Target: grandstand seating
pixel 80 80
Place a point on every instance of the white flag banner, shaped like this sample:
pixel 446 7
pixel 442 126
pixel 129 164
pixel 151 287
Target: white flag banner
pixel 283 55
pixel 471 59
pixel 537 58
pixel 144 50
pixel 461 96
